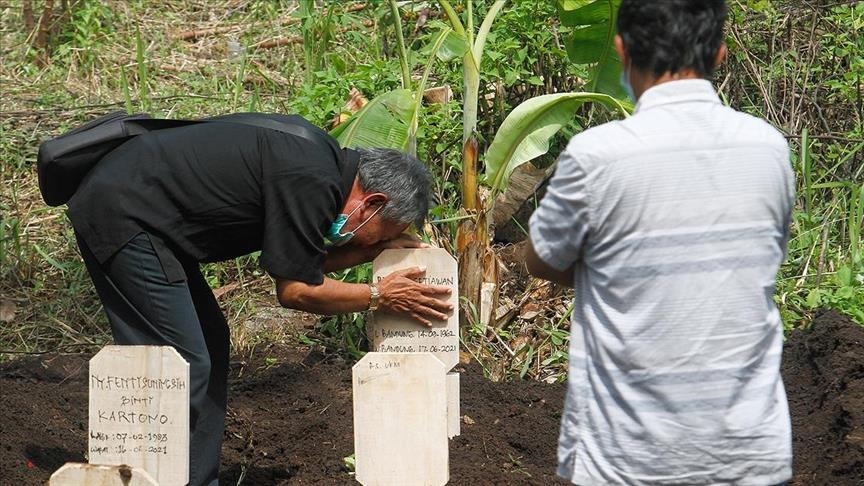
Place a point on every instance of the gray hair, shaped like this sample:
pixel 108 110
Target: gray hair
pixel 400 176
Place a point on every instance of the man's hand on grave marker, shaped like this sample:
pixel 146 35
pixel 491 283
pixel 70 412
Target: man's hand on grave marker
pixel 402 292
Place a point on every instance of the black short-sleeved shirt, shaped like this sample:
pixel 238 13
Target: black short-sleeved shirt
pixel 215 191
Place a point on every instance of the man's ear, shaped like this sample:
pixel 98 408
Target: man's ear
pixel 619 48
pixel 376 199
pixel 720 56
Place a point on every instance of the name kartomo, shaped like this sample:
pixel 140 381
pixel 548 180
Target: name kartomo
pixel 130 417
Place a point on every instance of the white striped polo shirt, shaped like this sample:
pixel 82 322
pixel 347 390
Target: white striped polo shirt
pixel 676 220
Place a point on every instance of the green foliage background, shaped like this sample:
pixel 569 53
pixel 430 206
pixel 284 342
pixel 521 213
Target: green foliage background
pixel 799 66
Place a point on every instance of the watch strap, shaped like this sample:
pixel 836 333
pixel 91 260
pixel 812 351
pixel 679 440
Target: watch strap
pixel 374 296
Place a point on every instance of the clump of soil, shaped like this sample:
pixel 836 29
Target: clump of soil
pixel 290 417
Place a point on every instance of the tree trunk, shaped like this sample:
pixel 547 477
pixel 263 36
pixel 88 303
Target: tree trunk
pixel 478 271
pixel 469 175
pixel 43 34
pixel 29 19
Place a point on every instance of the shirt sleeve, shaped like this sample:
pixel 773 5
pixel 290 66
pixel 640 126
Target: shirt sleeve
pixel 298 205
pixel 561 224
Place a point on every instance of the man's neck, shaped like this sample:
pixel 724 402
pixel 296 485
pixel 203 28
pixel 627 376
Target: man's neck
pixel 643 81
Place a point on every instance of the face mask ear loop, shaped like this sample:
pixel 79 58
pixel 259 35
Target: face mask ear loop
pixel 367 219
pixel 353 211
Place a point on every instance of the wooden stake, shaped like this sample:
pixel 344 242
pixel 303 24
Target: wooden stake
pixel 400 420
pixel 139 411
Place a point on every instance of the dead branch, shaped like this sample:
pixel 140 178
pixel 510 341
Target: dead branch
pixel 281 41
pixel 195 34
pixel 836 138
pixel 191 35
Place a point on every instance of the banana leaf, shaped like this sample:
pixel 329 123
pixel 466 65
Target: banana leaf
pixel 526 132
pixel 586 12
pixel 454 46
pixel 383 122
pixel 592 41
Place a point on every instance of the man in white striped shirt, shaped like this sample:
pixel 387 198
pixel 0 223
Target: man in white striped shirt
pixel 671 225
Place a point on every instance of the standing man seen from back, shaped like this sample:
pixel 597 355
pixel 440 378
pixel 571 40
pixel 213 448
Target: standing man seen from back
pixel 670 226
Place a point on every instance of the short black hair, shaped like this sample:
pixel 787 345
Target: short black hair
pixel 670 35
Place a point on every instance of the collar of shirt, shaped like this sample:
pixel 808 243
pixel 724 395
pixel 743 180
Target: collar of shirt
pixel 678 91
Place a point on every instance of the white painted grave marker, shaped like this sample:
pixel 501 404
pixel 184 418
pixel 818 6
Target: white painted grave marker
pixel 394 333
pixel 400 420
pixel 74 474
pixel 454 418
pixel 139 411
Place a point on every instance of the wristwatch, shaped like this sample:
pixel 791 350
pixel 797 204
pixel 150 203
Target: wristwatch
pixel 374 294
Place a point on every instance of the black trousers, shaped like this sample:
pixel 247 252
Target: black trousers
pixel 155 298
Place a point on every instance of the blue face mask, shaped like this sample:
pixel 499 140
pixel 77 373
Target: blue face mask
pixel 628 88
pixel 335 235
pixel 336 238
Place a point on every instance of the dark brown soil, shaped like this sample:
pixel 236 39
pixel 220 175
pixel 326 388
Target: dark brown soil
pixel 289 419
pixel 823 371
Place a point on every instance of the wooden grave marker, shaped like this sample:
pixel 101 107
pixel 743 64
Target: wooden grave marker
pixel 139 411
pixel 76 474
pixel 400 420
pixel 454 417
pixel 394 333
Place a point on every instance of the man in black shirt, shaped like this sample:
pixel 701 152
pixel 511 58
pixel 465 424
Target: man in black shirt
pixel 163 202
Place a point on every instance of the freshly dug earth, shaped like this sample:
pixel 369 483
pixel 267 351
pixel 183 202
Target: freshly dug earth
pixel 823 370
pixel 290 417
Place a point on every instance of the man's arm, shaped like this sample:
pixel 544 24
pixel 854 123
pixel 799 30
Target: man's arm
pixel 399 293
pixel 541 269
pixel 331 297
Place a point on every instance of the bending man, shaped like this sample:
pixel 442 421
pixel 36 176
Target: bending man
pixel 163 202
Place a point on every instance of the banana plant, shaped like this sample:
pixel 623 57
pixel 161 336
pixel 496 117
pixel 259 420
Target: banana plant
pixel 524 135
pixel 471 61
pixel 391 119
pixel 592 41
pixel 385 121
pixel 473 241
